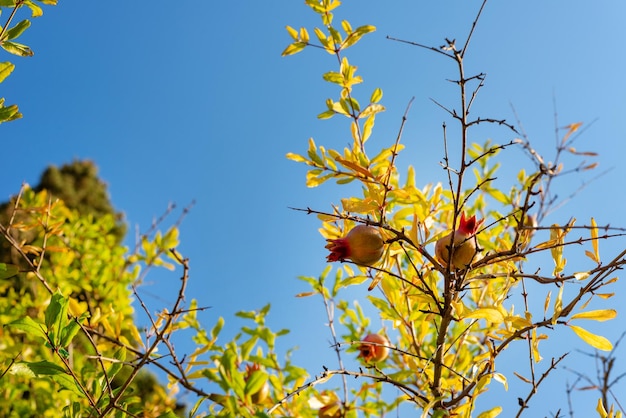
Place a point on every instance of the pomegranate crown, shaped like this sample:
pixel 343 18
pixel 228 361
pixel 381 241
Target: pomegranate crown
pixel 469 226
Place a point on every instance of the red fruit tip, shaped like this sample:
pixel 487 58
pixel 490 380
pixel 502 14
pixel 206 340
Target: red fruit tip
pixel 469 226
pixel 339 249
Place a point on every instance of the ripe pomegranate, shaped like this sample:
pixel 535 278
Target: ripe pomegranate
pixel 374 352
pixel 363 245
pixel 464 243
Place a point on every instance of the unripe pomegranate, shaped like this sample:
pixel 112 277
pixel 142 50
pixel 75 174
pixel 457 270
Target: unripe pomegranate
pixel 374 352
pixel 363 245
pixel 464 243
pixel 260 395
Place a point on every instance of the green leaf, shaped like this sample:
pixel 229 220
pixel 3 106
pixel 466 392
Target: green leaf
pixel 7 3
pixel 17 49
pixel 6 68
pixel 8 270
pixel 333 77
pixel 168 414
pixel 17 30
pixel 29 326
pixel 255 382
pixel 9 113
pixel 56 317
pixel 68 333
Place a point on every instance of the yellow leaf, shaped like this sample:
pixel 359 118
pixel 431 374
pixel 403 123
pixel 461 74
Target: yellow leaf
pixel 304 35
pixel 295 157
pixel 594 237
pixel 492 413
pixel 490 314
pixel 547 302
pixel 372 109
pixel 353 166
pixel 599 315
pixel 600 409
pixel 558 305
pixel 581 275
pixel 499 377
pixel 5 69
pixel 292 32
pixel 596 341
pixel 294 48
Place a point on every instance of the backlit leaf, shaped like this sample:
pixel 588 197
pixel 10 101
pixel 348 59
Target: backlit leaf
pixel 376 96
pixel 293 48
pixel 490 314
pixel 492 413
pixel 6 68
pixel 598 315
pixel 17 49
pixel 596 341
pixel 594 238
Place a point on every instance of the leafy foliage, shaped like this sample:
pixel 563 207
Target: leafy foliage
pixel 448 324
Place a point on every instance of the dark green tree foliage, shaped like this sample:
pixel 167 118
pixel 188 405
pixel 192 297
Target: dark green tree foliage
pixel 78 185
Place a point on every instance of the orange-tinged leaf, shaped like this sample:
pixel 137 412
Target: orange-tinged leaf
pixel 596 341
pixel 598 315
pixel 353 166
pixel 306 294
pixel 591 256
pixel 522 378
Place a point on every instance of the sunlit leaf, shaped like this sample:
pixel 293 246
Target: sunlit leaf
pixel 594 240
pixel 372 109
pixel 293 48
pixel 596 341
pixel 6 68
pixel 490 314
pixel 17 49
pixel 292 32
pixel 17 30
pixel 598 315
pixel 492 413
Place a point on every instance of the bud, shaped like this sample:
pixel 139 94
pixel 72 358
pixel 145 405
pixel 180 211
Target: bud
pixel 363 245
pixel 374 352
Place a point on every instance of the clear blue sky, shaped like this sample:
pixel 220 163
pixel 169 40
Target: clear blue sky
pixel 194 102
